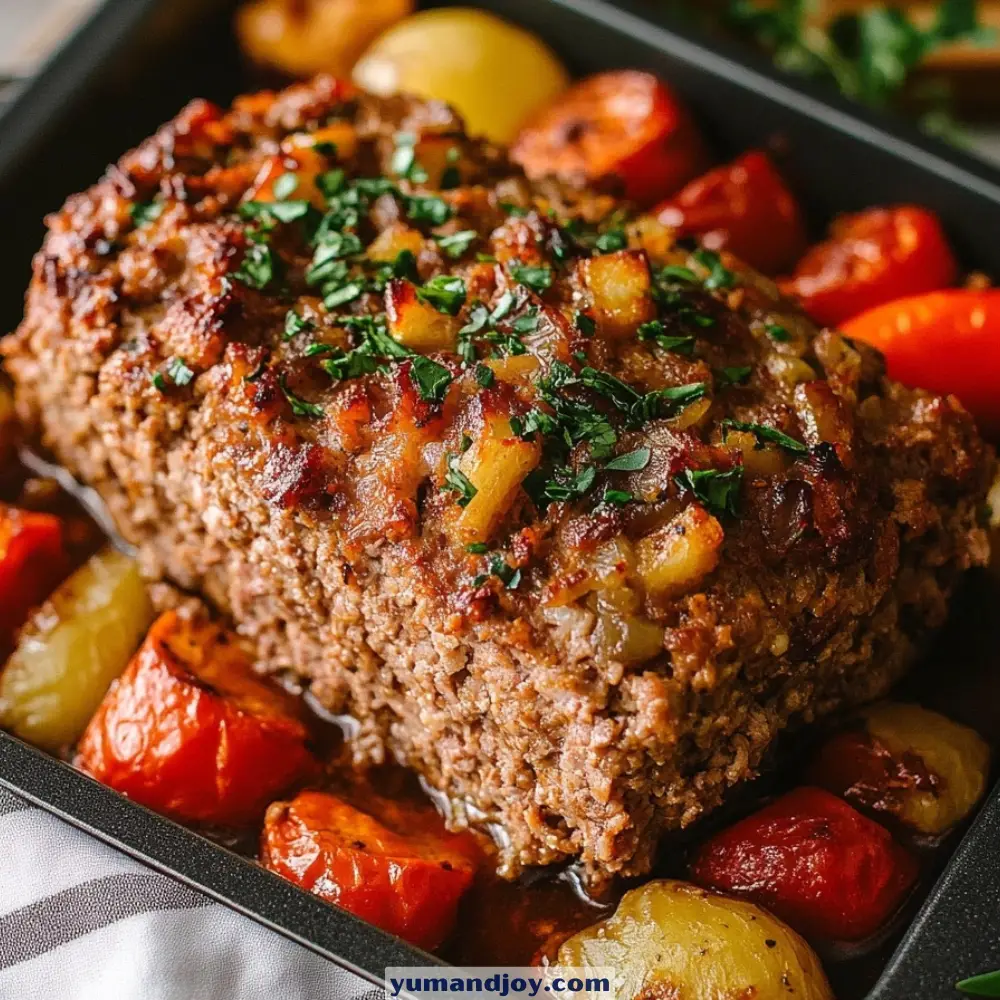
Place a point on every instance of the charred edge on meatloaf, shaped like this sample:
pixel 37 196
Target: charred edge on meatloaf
pixel 287 341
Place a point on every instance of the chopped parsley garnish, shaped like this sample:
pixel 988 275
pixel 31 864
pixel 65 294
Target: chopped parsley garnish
pixel 296 324
pixel 585 324
pixel 631 461
pixel 485 376
pixel 331 182
pixel 260 266
pixel 718 491
pixel 458 482
pixel 405 265
pixel 509 208
pixel 778 333
pixel 538 279
pixel 458 243
pixel 617 498
pixel 428 208
pixel 528 323
pixel 674 272
pixel 639 409
pixel 159 381
pixel 178 372
pixel 566 485
pixel 145 212
pixel 612 240
pixel 327 149
pixel 719 276
pixel 350 364
pixel 655 331
pixel 504 572
pixel 300 407
pixel 479 316
pixel 477 548
pixel 431 378
pixel 445 292
pixel 764 433
pixel 278 211
pixel 346 293
pixel 734 375
pixel 404 159
pixel 503 307
pixel 284 187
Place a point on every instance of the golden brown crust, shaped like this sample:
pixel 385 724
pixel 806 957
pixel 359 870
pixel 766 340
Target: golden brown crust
pixel 625 661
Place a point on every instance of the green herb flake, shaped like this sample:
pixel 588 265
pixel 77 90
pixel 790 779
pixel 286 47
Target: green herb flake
pixel 327 149
pixel 260 266
pixel 719 276
pixel 528 323
pixel 655 331
pixel 431 379
pixel 764 433
pixel 612 241
pixel 485 376
pixel 457 244
pixel 296 324
pixel 538 279
pixel 284 187
pixel 477 548
pixel 718 491
pixel 585 324
pixel 617 498
pixel 405 266
pixel 734 375
pixel 179 373
pixel 674 272
pixel 458 482
pixel 778 333
pixel 503 307
pixel 445 292
pixel 504 572
pixel 159 381
pixel 346 293
pixel 428 208
pixel 145 212
pixel 632 461
pixel 300 407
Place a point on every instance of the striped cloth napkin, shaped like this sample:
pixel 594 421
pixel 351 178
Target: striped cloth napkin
pixel 81 921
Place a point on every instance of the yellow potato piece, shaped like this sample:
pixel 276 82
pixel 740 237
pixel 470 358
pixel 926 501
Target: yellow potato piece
pixel 956 754
pixel 75 645
pixel 672 939
pixel 318 36
pixel 493 73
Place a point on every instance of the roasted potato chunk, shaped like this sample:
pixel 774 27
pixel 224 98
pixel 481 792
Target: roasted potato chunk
pixel 671 939
pixel 907 762
pixel 191 731
pixel 494 73
pixel 73 647
pixel 622 291
pixel 315 36
pixel 677 557
pixel 416 324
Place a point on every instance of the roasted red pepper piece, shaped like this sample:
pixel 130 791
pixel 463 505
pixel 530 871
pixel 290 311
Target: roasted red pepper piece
pixel 621 130
pixel 406 879
pixel 33 560
pixel 744 207
pixel 872 258
pixel 948 342
pixel 815 862
pixel 191 731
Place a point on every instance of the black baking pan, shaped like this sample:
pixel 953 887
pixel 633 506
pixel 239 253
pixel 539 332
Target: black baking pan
pixel 135 62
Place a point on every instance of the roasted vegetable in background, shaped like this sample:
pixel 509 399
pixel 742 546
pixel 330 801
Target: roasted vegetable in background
pixel 623 130
pixel 814 861
pixel 948 342
pixel 669 939
pixel 744 207
pixel 402 872
pixel 32 561
pixel 73 647
pixel 910 763
pixel 872 258
pixel 494 73
pixel 303 37
pixel 191 731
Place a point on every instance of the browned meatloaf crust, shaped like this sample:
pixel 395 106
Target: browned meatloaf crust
pixel 583 656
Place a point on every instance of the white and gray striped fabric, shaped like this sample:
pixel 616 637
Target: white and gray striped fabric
pixel 81 921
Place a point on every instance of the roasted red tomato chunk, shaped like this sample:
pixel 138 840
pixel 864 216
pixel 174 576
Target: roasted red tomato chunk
pixel 744 207
pixel 402 872
pixel 32 561
pixel 622 130
pixel 191 731
pixel 815 862
pixel 872 258
pixel 948 342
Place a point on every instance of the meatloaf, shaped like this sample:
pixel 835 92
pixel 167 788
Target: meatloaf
pixel 567 517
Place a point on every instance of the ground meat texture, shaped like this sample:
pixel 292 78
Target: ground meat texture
pixel 287 410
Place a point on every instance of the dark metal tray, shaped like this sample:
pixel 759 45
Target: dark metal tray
pixel 137 61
